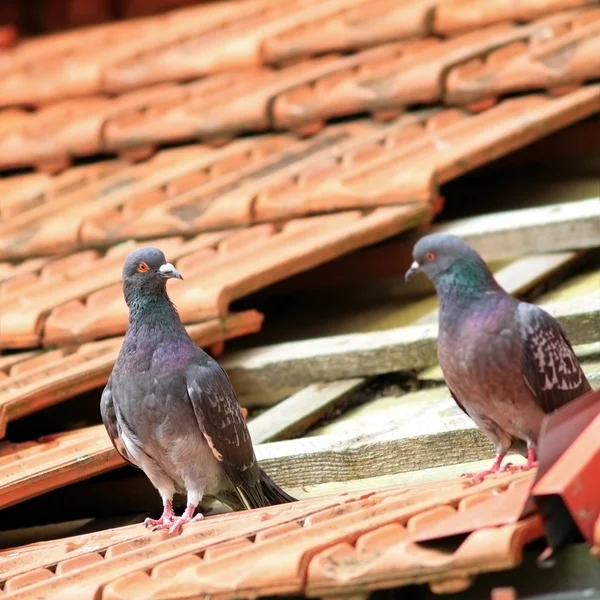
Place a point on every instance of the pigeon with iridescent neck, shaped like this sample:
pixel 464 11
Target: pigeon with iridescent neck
pixel 507 363
pixel 170 409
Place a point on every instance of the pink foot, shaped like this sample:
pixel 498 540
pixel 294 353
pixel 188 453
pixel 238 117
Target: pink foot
pixel 530 464
pixel 165 520
pixel 186 517
pixel 479 477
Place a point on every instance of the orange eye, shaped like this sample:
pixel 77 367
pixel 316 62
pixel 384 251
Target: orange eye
pixel 430 256
pixel 142 267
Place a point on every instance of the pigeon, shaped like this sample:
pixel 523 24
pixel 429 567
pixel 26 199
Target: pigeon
pixel 170 409
pixel 507 363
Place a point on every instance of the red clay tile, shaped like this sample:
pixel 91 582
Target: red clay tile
pixel 71 64
pixel 455 16
pixel 343 90
pixel 35 382
pixel 563 49
pixel 65 555
pixel 153 549
pixel 570 474
pixel 55 462
pixel 176 46
pixel 213 282
pixel 468 142
pixel 338 545
pixel 365 24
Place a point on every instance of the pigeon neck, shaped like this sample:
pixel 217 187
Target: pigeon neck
pixel 466 281
pixel 151 308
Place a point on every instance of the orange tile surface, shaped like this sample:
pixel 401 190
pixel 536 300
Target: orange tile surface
pixel 81 299
pixel 154 65
pixel 31 381
pixel 343 544
pixel 452 16
pixel 29 469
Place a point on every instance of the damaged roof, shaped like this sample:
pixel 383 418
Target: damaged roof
pixel 319 127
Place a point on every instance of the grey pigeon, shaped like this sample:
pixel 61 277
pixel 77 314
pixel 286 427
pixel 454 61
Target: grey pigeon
pixel 507 363
pixel 170 409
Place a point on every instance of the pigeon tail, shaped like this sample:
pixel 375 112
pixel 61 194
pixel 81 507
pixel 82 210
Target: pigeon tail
pixel 273 493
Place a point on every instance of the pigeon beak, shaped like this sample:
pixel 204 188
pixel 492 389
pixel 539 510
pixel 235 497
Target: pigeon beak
pixel 414 269
pixel 168 271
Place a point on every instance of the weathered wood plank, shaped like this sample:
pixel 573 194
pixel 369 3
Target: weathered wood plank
pixel 389 436
pixel 296 414
pixel 326 458
pixel 510 234
pixel 409 478
pixel 364 354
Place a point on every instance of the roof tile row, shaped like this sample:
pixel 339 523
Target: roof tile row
pixel 30 381
pixel 80 298
pixel 179 45
pixel 481 65
pixel 273 177
pixel 351 543
pixel 28 469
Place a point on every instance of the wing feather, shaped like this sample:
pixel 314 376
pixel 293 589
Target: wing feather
pixel 109 418
pixel 221 421
pixel 549 365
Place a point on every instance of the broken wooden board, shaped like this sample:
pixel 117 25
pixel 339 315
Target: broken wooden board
pixel 409 479
pixel 387 436
pixel 526 231
pixel 388 450
pixel 364 354
pixel 296 414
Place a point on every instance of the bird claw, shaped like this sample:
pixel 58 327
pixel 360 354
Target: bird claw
pixel 516 468
pixel 479 477
pixel 177 525
pixel 162 523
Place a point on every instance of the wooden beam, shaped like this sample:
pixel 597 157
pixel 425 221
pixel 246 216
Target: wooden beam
pixel 510 234
pixel 393 448
pixel 389 436
pixel 409 478
pixel 364 354
pixel 296 414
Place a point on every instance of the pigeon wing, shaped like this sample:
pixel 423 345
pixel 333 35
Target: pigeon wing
pixel 224 428
pixel 549 365
pixel 109 418
pixel 458 402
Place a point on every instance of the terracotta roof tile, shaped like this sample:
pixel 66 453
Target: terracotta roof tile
pixel 31 381
pixel 85 302
pixel 458 142
pixel 428 71
pixel 562 50
pixel 340 544
pixel 285 177
pixel 454 16
pixel 363 25
pixel 242 94
pixel 29 469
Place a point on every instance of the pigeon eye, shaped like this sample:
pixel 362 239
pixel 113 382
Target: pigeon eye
pixel 142 267
pixel 430 256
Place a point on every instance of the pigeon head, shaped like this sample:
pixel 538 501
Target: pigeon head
pixel 146 270
pixel 449 261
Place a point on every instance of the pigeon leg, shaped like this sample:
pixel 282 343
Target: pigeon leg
pixel 165 520
pixel 186 517
pixel 530 464
pixel 479 477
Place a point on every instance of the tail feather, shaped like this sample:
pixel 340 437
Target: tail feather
pixel 273 493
